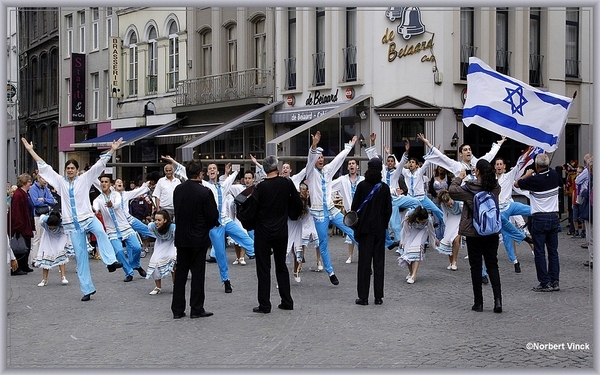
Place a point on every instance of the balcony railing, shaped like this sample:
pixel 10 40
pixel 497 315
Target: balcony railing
pixel 535 70
pixel 503 61
pixel 252 83
pixel 572 68
pixel 466 51
pixel 319 69
pixel 290 73
pixel 350 73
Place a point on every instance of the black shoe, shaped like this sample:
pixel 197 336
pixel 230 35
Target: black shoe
pixel 334 280
pixel 285 307
pixel 201 315
pixel 28 269
pixel 87 296
pixel 498 305
pixel 555 287
pixel 128 278
pixel 211 260
pixel 258 309
pixel 518 267
pixel 113 267
pixel 251 256
pixel 542 288
pixel 141 271
pixel 485 280
pixel 303 260
pixel 478 308
pixel 228 288
pixel 393 245
pixel 18 272
pixel 178 316
pixel 363 302
pixel 378 301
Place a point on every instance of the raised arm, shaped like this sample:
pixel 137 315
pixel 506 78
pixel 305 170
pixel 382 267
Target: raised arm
pixel 29 148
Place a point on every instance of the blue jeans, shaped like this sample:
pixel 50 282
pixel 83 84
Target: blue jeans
pixel 544 231
pixel 322 227
pixel 509 231
pixel 217 237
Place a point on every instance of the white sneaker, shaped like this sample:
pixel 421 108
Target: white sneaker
pixel 43 283
pixel 453 267
pixel 349 260
pixel 297 278
pixel 236 262
pixel 408 276
pixel 64 281
pixel 449 267
pixel 242 261
pixel 410 280
pixel 155 291
pixel 319 266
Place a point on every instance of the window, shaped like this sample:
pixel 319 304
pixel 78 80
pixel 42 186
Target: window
pixel 152 61
pixel 82 32
pixel 173 74
pixel 36 96
pixel 44 75
pixel 572 47
pixel 109 23
pixel 109 11
pixel 349 52
pixel 406 129
pixel 319 56
pixel 535 58
pixel 290 62
pixel 54 77
pixel 109 108
pixel 502 52
pixel 232 48
pixel 467 49
pixel 260 49
pixel 69 23
pixel 95 96
pixel 68 82
pixel 95 17
pixel 207 53
pixel 133 65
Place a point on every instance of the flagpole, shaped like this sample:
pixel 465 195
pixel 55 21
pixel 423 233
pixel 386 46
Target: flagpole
pixel 565 123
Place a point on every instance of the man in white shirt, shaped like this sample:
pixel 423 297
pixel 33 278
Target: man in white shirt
pixel 163 192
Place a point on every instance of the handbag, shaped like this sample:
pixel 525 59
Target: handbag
pixel 18 245
pixel 351 217
pixel 42 210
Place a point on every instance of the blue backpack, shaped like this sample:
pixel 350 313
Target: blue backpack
pixel 486 213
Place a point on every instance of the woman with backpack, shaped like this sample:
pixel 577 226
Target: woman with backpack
pixel 478 245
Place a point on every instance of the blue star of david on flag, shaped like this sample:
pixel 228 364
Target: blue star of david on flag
pixel 496 102
pixel 510 100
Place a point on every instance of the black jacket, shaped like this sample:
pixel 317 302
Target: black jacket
pixel 375 215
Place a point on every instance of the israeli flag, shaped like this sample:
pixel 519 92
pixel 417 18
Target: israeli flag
pixel 509 107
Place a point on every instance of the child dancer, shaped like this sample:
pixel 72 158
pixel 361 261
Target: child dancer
pixel 162 262
pixel 52 251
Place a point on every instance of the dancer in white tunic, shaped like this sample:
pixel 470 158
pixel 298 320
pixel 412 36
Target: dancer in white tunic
pixel 416 227
pixel 162 262
pixel 450 243
pixel 52 251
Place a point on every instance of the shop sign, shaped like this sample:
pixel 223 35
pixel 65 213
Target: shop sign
pixel 77 87
pixel 321 99
pixel 290 100
pixel 410 25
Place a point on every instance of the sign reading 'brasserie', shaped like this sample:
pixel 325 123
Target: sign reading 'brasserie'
pixel 77 87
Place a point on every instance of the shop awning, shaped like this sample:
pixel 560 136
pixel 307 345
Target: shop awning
pixel 187 149
pixel 272 144
pixel 304 114
pixel 130 136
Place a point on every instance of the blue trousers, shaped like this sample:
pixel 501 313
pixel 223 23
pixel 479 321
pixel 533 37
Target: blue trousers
pixel 429 205
pixel 118 246
pixel 79 241
pixel 322 227
pixel 544 232
pixel 217 237
pixel 140 227
pixel 399 202
pixel 509 231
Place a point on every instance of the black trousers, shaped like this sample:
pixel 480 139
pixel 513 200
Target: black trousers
pixel 486 247
pixel 189 259
pixel 262 250
pixel 24 258
pixel 371 252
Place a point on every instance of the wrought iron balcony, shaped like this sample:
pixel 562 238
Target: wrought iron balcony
pixel 535 70
pixel 290 73
pixel 350 73
pixel 251 83
pixel 319 69
pixel 503 61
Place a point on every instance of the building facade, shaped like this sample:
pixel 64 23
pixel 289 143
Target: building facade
pixel 402 71
pixel 12 77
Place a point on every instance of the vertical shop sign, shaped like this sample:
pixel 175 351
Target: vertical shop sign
pixel 77 87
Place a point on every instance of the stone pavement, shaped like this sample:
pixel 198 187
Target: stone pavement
pixel 426 325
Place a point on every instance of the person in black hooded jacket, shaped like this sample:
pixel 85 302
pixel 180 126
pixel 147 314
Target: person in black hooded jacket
pixel 370 231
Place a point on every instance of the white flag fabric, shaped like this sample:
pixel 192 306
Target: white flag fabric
pixel 509 107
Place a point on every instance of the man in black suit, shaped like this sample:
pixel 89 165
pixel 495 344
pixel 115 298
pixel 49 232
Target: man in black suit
pixel 196 210
pixel 370 231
